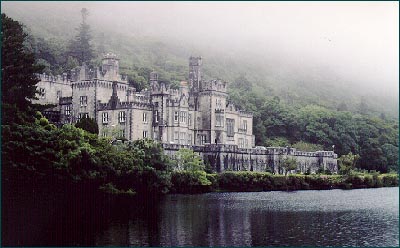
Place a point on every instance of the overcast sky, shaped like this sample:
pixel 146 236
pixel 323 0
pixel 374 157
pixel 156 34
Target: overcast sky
pixel 356 40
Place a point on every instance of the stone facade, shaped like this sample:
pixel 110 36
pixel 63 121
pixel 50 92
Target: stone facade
pixel 197 115
pixel 223 157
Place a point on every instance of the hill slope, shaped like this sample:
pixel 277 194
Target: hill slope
pixel 169 56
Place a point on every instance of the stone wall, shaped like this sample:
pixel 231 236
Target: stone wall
pixel 229 157
pixel 52 88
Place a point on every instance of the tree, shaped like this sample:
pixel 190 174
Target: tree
pixel 190 170
pixel 80 48
pixel 363 107
pixel 391 153
pixel 277 142
pixel 18 71
pixel 307 147
pixel 288 164
pixel 188 160
pixel 88 124
pixel 241 83
pixel 348 162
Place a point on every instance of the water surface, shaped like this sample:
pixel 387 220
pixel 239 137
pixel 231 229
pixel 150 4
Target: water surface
pixel 362 217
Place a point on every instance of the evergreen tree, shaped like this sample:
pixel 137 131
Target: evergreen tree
pixel 18 72
pixel 88 124
pixel 363 107
pixel 80 48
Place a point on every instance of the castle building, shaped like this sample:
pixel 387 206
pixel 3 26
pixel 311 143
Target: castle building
pixel 197 115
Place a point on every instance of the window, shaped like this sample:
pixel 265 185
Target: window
pixel 189 140
pixel 144 117
pixel 155 135
pixel 183 138
pixel 176 137
pixel 156 116
pixel 246 143
pixel 67 110
pixel 219 120
pixel 189 119
pixel 176 116
pixel 230 127
pixel 58 94
pixel 83 100
pixel 42 93
pixel 198 122
pixel 218 104
pixel 104 133
pixel 121 133
pixel 245 125
pixel 144 134
pixel 121 117
pixel 241 142
pixel 203 139
pixel 183 117
pixel 105 117
pixel 83 115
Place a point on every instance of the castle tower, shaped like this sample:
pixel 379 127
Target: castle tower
pixel 110 67
pixel 212 102
pixel 153 79
pixel 195 64
pixel 159 97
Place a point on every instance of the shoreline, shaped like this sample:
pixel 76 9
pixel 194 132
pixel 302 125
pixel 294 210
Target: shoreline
pixel 264 182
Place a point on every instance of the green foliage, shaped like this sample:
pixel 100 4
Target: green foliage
pixel 88 124
pixel 187 160
pixel 307 147
pixel 391 153
pixel 77 156
pixel 189 176
pixel 190 182
pixel 288 164
pixel 80 48
pixel 18 68
pixel 277 142
pixel 110 189
pixel 347 163
pixel 261 181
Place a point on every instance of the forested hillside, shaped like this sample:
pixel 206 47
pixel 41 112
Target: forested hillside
pixel 307 110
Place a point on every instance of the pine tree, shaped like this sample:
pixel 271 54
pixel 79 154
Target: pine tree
pixel 88 124
pixel 363 107
pixel 18 71
pixel 80 48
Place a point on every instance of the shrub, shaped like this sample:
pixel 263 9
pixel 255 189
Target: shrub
pixel 190 182
pixel 389 180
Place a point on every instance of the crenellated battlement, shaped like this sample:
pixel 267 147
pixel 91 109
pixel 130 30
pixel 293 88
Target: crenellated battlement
pixel 214 85
pixel 124 105
pixel 232 108
pixel 159 88
pixel 62 79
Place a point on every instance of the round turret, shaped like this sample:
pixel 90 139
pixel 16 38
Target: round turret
pixel 110 66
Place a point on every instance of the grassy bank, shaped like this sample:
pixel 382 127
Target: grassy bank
pixel 260 181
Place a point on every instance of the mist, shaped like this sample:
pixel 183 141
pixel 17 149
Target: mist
pixel 354 44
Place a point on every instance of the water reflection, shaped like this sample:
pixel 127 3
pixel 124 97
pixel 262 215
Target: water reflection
pixel 366 217
pixel 309 218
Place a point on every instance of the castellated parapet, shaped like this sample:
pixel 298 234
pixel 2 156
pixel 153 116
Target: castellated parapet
pixel 196 115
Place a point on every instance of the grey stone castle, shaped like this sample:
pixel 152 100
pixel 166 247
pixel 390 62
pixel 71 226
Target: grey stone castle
pixel 195 116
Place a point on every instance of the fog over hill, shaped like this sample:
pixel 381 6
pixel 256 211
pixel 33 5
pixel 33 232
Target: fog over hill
pixel 334 51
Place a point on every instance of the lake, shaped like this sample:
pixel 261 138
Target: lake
pixel 360 217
